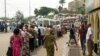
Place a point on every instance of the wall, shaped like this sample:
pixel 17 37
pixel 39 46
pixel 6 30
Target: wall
pixel 94 19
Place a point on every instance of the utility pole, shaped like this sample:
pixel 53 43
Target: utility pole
pixel 5 11
pixel 5 16
pixel 29 7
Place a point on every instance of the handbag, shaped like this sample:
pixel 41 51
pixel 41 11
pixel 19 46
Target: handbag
pixel 9 51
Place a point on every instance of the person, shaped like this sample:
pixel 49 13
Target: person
pixel 36 44
pixel 25 47
pixel 22 34
pixel 36 28
pixel 82 33
pixel 50 43
pixel 59 34
pixel 72 35
pixel 32 39
pixel 41 35
pixel 2 28
pixel 89 40
pixel 46 31
pixel 5 26
pixel 16 41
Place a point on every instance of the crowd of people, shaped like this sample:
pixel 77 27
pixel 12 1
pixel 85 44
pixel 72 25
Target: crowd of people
pixel 26 38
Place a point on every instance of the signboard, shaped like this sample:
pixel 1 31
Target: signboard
pixel 89 5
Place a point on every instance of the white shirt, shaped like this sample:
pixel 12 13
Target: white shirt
pixel 89 32
pixel 23 33
pixel 36 29
pixel 41 30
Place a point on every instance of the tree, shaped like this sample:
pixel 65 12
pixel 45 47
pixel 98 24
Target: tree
pixel 44 11
pixel 62 2
pixel 19 17
pixel 60 8
pixel 36 11
pixel 56 11
pixel 81 10
pixel 65 10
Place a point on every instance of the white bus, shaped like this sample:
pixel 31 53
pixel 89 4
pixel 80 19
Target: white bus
pixel 47 21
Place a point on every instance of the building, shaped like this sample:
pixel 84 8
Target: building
pixel 93 13
pixel 71 6
pixel 76 5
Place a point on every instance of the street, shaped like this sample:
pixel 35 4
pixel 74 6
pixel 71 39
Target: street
pixel 61 42
pixel 36 19
pixel 4 43
pixel 62 48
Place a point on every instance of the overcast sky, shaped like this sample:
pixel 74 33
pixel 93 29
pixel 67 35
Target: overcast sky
pixel 23 6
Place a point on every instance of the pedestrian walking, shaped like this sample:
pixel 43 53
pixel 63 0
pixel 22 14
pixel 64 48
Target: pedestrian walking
pixel 89 39
pixel 16 41
pixel 82 34
pixel 72 35
pixel 50 43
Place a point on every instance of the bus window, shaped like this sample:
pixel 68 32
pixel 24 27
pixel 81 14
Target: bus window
pixel 40 22
pixel 51 22
pixel 46 22
pixel 57 22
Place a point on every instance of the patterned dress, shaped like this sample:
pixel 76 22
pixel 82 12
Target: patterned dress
pixel 25 47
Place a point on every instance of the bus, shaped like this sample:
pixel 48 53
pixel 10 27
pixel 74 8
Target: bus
pixel 47 21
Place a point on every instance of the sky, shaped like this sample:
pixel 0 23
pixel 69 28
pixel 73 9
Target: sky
pixel 23 6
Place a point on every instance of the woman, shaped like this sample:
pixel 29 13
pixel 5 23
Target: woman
pixel 25 47
pixel 49 43
pixel 16 41
pixel 32 39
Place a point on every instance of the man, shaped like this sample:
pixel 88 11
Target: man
pixel 89 40
pixel 5 27
pixel 72 35
pixel 82 33
pixel 41 37
pixel 59 31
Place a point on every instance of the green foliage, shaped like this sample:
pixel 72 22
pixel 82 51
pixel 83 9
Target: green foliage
pixel 62 2
pixel 36 12
pixel 65 11
pixel 82 10
pixel 60 8
pixel 19 16
pixel 44 11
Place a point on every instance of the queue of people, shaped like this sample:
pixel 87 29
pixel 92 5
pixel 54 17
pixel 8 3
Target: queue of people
pixel 26 38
